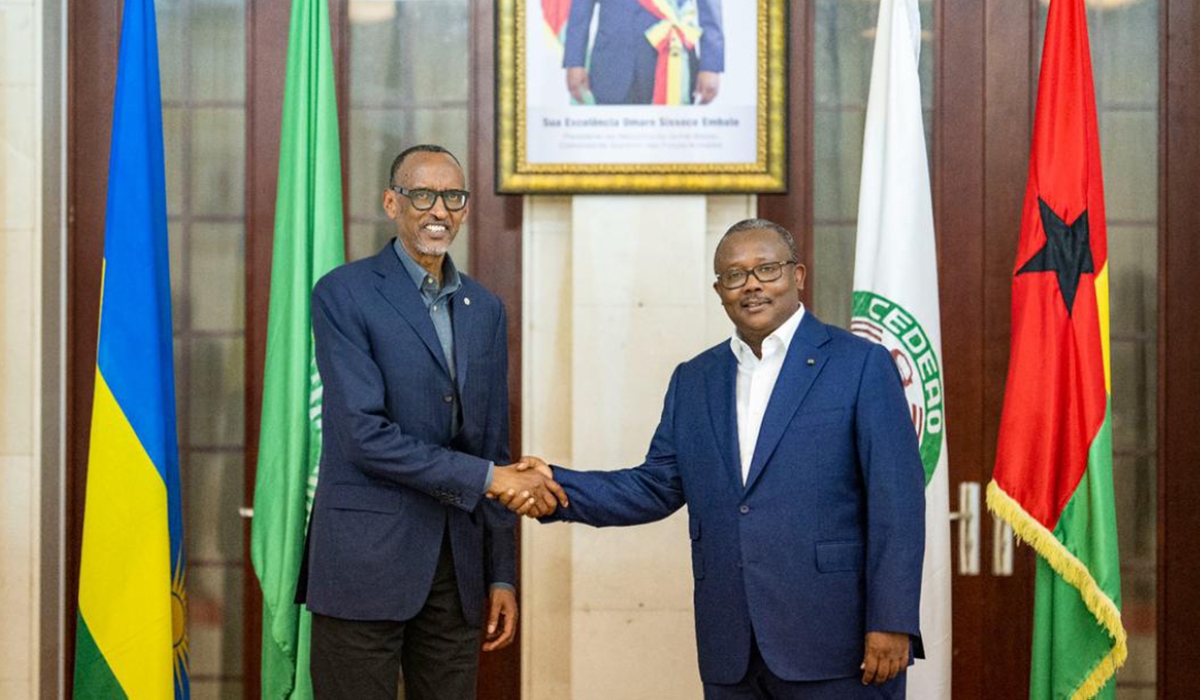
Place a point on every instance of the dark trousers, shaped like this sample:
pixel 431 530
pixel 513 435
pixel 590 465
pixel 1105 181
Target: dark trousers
pixel 761 684
pixel 437 650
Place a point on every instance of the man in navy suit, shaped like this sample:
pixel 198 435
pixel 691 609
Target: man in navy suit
pixel 624 62
pixel 792 448
pixel 403 553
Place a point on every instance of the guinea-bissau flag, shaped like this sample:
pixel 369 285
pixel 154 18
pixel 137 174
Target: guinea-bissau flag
pixel 130 638
pixel 1053 478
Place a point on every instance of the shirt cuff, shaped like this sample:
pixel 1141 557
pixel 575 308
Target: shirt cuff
pixel 503 586
pixel 487 480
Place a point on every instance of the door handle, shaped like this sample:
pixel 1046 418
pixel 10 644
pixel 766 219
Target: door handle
pixel 245 513
pixel 1002 547
pixel 967 517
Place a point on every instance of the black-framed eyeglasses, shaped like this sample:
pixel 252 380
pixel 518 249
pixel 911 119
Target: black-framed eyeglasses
pixel 423 199
pixel 767 272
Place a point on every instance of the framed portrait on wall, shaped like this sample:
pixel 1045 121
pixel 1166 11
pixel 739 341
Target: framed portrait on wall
pixel 641 96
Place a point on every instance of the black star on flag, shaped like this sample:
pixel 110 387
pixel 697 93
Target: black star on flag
pixel 1066 252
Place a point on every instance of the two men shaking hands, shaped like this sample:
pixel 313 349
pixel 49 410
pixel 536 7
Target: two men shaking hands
pixel 528 488
pixel 789 443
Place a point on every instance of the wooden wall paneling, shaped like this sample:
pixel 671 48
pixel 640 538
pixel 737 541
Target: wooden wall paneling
pixel 495 254
pixel 266 57
pixel 794 209
pixel 91 83
pixel 1179 343
pixel 958 197
pixel 1010 84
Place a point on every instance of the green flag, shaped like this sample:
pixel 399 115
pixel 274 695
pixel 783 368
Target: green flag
pixel 308 243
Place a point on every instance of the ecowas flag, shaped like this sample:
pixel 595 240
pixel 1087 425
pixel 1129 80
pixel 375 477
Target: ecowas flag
pixel 896 300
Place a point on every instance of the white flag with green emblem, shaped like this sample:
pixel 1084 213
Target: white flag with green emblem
pixel 896 300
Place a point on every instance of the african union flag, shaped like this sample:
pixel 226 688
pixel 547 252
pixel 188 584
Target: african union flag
pixel 131 639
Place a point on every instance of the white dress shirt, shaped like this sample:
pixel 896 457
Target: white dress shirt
pixel 756 381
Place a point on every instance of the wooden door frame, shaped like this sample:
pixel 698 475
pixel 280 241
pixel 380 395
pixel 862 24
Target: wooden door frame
pixel 793 209
pixel 91 82
pixel 1179 342
pixel 495 223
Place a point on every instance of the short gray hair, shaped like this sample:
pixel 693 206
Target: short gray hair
pixel 761 225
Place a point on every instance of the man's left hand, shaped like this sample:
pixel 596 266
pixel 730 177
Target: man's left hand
pixel 708 84
pixel 885 657
pixel 502 619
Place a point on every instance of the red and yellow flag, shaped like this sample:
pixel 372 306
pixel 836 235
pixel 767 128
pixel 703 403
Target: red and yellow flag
pixel 1053 476
pixel 674 36
pixel 555 14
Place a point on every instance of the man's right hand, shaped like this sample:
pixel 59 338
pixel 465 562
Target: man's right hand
pixel 577 83
pixel 527 488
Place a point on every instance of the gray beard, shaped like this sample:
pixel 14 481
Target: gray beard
pixel 426 249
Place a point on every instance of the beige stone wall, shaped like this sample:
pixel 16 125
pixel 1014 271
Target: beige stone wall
pixel 617 293
pixel 20 351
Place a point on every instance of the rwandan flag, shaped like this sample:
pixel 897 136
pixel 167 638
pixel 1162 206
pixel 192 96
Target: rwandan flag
pixel 131 639
pixel 1053 476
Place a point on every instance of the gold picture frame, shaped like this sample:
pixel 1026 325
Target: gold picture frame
pixel 763 172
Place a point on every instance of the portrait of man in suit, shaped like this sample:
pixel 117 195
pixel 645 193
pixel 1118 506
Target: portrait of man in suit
pixel 792 448
pixel 405 561
pixel 658 52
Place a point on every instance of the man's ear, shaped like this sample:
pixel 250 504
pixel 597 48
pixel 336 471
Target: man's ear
pixel 391 204
pixel 801 272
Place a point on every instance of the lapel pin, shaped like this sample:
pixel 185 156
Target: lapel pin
pixel 811 361
pixel 467 301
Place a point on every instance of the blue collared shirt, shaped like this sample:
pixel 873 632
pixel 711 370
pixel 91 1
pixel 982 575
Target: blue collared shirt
pixel 437 300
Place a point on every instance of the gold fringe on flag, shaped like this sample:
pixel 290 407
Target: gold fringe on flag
pixel 1068 566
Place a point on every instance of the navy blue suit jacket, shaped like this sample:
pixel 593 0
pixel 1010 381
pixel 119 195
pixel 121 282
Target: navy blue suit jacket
pixel 825 541
pixel 620 51
pixel 393 478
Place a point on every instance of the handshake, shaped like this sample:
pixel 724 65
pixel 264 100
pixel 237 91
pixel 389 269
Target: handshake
pixel 527 488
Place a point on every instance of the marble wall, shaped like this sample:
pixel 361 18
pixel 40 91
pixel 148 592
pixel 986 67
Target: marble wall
pixel 20 348
pixel 618 291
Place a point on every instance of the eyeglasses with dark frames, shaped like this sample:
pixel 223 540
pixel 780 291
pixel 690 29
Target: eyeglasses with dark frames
pixel 767 272
pixel 424 199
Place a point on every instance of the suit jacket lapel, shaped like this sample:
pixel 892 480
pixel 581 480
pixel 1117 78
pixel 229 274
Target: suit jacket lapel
pixel 397 288
pixel 722 408
pixel 795 379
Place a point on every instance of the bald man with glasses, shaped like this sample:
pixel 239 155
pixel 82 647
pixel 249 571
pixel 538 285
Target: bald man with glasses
pixel 406 559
